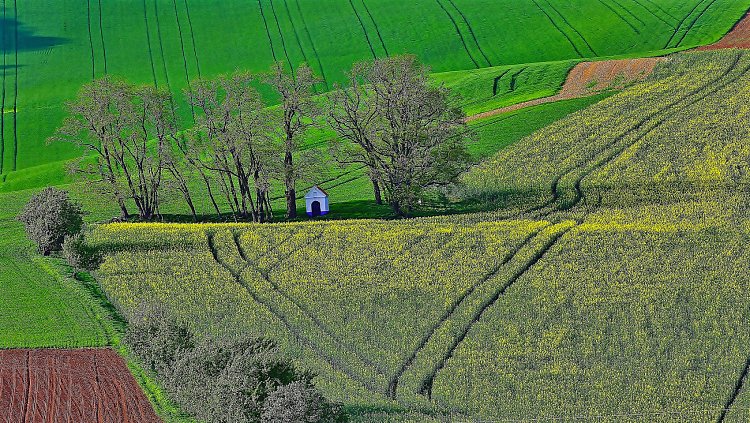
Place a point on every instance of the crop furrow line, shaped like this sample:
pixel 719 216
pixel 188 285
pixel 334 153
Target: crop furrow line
pixel 652 13
pixel 496 81
pixel 572 28
pixel 281 35
pixel 654 118
pixel 91 39
pixel 619 15
pixel 27 392
pixel 312 44
pixel 161 45
pixel 101 37
pixel 552 21
pixel 184 57
pixel 736 392
pixel 148 42
pixel 471 32
pixel 192 37
pixel 460 35
pixel 427 382
pixel 239 279
pixel 692 24
pixel 682 22
pixel 393 383
pixel 268 31
pixel 364 30
pixel 377 29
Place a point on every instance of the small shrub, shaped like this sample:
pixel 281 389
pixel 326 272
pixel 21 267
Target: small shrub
pixel 80 255
pixel 49 217
pixel 158 340
pixel 300 402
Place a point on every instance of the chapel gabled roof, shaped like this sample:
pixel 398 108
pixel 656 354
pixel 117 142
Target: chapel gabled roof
pixel 316 188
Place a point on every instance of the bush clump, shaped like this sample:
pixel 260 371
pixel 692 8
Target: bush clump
pixel 80 255
pixel 49 217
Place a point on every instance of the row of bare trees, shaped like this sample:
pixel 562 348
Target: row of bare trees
pixel 389 118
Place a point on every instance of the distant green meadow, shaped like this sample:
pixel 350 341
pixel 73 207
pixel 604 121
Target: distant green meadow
pixel 52 48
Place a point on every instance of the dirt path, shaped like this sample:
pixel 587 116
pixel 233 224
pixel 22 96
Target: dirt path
pixel 589 78
pixel 76 386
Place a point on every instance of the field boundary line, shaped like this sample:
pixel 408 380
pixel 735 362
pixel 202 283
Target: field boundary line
pixel 312 44
pixel 560 230
pixel 148 42
pixel 552 21
pixel 377 28
pixel 458 32
pixel 364 30
pixel 268 31
pixel 192 37
pixel 101 36
pixel 471 32
pixel 738 386
pixel 622 18
pixel 449 313
pixel 281 36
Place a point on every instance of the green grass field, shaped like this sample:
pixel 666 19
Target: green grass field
pixel 51 49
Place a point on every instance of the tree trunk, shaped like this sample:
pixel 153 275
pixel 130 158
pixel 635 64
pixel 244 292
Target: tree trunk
pixel 291 194
pixel 376 189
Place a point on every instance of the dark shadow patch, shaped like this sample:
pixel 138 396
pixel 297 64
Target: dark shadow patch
pixel 28 38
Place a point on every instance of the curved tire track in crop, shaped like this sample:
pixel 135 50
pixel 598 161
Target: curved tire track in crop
pixel 557 27
pixel 91 39
pixel 393 383
pixel 281 36
pixel 364 29
pixel 312 44
pixel 192 38
pixel 650 123
pixel 458 31
pixel 184 57
pixel 619 15
pixel 377 29
pixel 692 24
pixel 654 14
pixel 101 37
pixel 471 32
pixel 303 340
pixel 514 79
pixel 294 29
pixel 658 6
pixel 681 23
pixel 428 381
pixel 161 45
pixel 496 81
pixel 565 20
pixel 148 42
pixel 268 31
pixel 738 386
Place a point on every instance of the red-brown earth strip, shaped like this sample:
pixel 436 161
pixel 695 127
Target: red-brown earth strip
pixel 71 386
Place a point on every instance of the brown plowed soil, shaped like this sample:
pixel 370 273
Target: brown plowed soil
pixel 71 386
pixel 589 78
pixel 738 37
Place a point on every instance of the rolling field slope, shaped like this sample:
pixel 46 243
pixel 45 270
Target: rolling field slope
pixel 50 49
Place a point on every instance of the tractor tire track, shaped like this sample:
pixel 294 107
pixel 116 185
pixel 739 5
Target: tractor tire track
pixel 2 99
pixel 312 44
pixel 739 384
pixel 682 22
pixel 629 12
pixel 514 80
pixel 427 383
pixel 655 119
pixel 557 27
pixel 285 322
pixel 15 89
pixel 91 40
pixel 148 42
pixel 268 32
pixel 496 81
pixel 184 57
pixel 692 24
pixel 377 29
pixel 294 29
pixel 161 45
pixel 572 28
pixel 652 13
pixel 619 15
pixel 471 32
pixel 658 6
pixel 460 35
pixel 281 35
pixel 192 37
pixel 394 381
pixel 364 30
pixel 101 37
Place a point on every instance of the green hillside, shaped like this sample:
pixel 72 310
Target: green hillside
pixel 51 49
